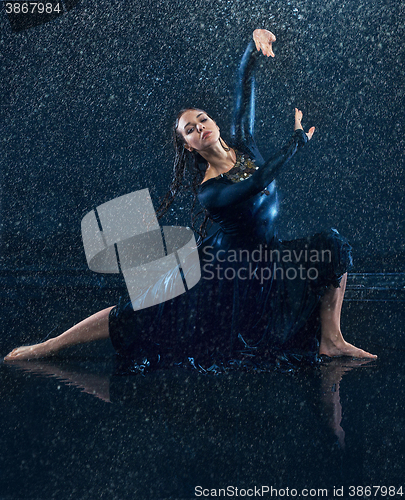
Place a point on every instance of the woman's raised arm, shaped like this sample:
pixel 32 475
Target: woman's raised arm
pixel 242 127
pixel 215 195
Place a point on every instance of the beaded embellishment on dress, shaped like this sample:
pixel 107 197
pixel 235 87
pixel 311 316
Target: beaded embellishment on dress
pixel 244 167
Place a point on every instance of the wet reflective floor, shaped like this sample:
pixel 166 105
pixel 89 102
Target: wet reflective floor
pixel 72 429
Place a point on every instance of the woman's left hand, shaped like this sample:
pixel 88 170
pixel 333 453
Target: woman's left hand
pixel 297 124
pixel 263 40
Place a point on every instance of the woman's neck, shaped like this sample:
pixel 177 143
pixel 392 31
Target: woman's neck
pixel 219 160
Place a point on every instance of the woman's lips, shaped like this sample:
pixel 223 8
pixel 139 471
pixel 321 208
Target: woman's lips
pixel 206 134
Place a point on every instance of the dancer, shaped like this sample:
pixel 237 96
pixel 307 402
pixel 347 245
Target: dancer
pixel 287 302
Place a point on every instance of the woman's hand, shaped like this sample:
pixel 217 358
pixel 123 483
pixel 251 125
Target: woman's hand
pixel 263 40
pixel 297 124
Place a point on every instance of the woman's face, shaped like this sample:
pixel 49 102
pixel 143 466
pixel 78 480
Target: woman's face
pixel 198 130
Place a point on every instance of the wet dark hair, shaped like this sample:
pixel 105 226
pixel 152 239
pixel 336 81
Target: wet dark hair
pixel 185 163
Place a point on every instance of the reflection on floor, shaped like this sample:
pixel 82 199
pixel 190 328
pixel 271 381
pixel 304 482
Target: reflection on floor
pixel 376 286
pixel 71 428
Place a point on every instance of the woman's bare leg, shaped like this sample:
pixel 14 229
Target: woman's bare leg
pixel 93 328
pixel 332 342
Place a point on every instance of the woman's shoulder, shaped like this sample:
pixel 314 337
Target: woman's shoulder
pixel 209 178
pixel 212 181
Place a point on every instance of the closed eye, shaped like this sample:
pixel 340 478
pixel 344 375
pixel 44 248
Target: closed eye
pixel 190 130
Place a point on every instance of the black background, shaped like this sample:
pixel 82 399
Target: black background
pixel 88 100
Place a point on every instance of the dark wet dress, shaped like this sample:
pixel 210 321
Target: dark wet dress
pixel 258 297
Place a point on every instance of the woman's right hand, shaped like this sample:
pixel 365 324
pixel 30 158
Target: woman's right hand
pixel 297 124
pixel 263 40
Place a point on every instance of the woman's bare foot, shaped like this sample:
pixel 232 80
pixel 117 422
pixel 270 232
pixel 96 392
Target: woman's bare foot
pixel 31 352
pixel 95 327
pixel 335 346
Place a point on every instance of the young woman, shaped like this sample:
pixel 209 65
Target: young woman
pixel 258 297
